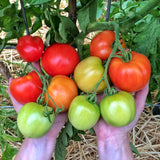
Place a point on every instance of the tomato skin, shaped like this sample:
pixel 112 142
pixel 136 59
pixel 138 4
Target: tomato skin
pixel 119 109
pixel 30 48
pixel 59 59
pixel 88 72
pixel 62 90
pixel 31 121
pixel 101 44
pixel 82 114
pixel 130 76
pixel 27 88
pixel 123 43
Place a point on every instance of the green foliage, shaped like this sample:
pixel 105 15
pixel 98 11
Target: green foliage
pixel 67 133
pixel 9 152
pixel 8 126
pixel 139 30
pixel 87 14
pixel 134 149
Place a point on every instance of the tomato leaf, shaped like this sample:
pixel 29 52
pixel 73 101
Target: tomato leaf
pixel 69 129
pixel 147 31
pixel 9 152
pixel 134 149
pixel 10 138
pixel 34 2
pixel 62 142
pixel 36 25
pixel 87 14
pixel 67 29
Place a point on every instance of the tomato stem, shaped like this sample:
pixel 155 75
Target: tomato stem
pixel 40 99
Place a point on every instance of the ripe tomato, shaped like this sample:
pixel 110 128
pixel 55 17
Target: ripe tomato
pixel 101 44
pixel 130 76
pixel 119 109
pixel 31 121
pixel 59 59
pixel 88 72
pixel 62 90
pixel 27 88
pixel 82 114
pixel 30 48
pixel 123 44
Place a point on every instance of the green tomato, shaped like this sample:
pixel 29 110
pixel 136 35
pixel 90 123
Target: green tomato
pixel 88 72
pixel 119 109
pixel 82 114
pixel 31 121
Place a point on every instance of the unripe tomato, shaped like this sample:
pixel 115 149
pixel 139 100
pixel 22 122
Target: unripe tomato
pixel 130 76
pixel 27 88
pixel 30 48
pixel 59 59
pixel 119 109
pixel 88 72
pixel 82 114
pixel 101 44
pixel 62 90
pixel 31 121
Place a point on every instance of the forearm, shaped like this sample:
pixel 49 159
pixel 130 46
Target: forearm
pixel 36 149
pixel 116 148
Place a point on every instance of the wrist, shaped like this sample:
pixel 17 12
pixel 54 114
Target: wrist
pixel 114 147
pixel 39 149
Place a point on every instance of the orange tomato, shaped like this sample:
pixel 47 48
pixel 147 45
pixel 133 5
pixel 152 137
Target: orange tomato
pixel 123 44
pixel 62 90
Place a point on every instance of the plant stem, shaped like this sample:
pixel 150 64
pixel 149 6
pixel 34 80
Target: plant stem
pixel 24 16
pixel 72 10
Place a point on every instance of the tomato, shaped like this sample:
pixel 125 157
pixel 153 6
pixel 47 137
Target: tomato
pixel 123 44
pixel 119 109
pixel 101 44
pixel 88 72
pixel 27 88
pixel 59 59
pixel 31 121
pixel 130 76
pixel 82 114
pixel 62 90
pixel 30 48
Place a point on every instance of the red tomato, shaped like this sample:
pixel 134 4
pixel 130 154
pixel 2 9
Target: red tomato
pixel 26 89
pixel 30 48
pixel 59 59
pixel 130 76
pixel 62 90
pixel 101 44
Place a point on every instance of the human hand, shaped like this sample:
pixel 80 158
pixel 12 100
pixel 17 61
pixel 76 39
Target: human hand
pixel 111 138
pixel 40 148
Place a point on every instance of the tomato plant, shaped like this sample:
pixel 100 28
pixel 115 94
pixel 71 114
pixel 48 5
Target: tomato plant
pixel 130 76
pixel 30 48
pixel 82 114
pixel 62 90
pixel 27 88
pixel 59 59
pixel 31 121
pixel 119 109
pixel 101 44
pixel 87 74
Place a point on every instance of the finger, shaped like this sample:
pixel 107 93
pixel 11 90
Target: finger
pixel 140 99
pixel 37 65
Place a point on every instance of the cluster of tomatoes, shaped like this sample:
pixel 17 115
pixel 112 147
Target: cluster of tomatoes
pixel 70 77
